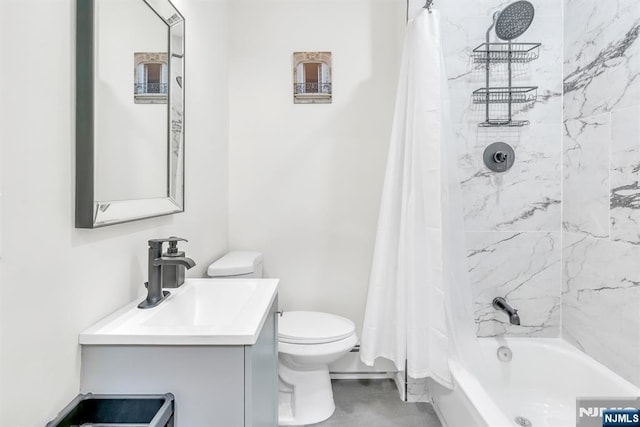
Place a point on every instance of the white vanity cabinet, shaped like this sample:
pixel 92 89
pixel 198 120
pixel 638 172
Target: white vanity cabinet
pixel 214 385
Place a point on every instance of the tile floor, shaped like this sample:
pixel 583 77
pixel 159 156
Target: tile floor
pixel 376 403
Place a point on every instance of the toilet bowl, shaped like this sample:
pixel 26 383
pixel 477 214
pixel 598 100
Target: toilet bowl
pixel 308 341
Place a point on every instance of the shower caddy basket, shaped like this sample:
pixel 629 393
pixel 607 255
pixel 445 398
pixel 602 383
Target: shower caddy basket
pixel 504 53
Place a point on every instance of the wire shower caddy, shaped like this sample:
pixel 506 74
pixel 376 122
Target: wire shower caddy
pixel 509 53
pixel 518 53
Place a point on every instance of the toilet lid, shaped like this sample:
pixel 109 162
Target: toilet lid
pixel 235 263
pixel 312 327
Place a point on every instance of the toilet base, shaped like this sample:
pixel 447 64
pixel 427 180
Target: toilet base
pixel 304 396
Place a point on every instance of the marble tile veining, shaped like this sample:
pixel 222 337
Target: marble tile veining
pixel 601 301
pixel 525 198
pixel 586 176
pixel 513 219
pixel 602 56
pixel 601 198
pixel 624 175
pixel 525 269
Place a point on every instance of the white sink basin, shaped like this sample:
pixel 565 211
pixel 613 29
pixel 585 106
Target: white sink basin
pixel 200 312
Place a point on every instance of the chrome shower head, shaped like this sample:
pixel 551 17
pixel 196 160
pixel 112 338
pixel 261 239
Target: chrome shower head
pixel 514 20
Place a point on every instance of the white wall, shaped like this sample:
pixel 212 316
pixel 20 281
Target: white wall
pixel 57 280
pixel 305 180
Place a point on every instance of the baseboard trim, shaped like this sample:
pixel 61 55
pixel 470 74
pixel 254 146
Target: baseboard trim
pixel 361 375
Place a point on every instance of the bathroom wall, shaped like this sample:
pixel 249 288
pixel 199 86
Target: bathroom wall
pixel 512 219
pixel 601 161
pixel 57 280
pixel 305 180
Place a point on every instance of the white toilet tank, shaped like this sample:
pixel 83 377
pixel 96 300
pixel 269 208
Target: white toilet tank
pixel 237 264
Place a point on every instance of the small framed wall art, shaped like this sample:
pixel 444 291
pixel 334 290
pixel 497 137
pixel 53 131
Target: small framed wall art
pixel 312 78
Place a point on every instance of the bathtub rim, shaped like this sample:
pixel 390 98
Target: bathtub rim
pixel 482 408
pixel 564 347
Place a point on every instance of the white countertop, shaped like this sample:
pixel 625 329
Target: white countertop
pixel 200 312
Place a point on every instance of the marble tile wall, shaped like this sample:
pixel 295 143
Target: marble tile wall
pixel 513 220
pixel 522 267
pixel 601 168
pixel 601 301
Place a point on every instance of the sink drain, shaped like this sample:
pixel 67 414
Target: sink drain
pixel 524 422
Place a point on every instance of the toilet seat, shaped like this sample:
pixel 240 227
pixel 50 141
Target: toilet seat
pixel 312 327
pixel 317 350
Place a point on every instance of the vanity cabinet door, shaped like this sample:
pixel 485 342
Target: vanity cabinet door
pixel 261 375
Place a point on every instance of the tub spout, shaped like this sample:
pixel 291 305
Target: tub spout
pixel 514 318
pixel 501 304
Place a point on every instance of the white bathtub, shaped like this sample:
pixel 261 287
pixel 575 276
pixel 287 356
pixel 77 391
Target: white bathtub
pixel 540 383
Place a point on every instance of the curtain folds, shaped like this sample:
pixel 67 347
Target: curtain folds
pixel 419 267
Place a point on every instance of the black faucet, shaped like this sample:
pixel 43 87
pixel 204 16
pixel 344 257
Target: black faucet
pixel 155 294
pixel 501 304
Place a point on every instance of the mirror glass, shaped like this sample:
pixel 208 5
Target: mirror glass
pixel 129 149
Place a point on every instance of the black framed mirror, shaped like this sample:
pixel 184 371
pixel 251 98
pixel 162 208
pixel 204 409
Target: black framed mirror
pixel 129 111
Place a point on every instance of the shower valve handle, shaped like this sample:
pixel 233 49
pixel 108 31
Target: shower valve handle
pixel 500 157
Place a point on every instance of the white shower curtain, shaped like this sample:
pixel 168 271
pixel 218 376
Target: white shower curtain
pixel 419 267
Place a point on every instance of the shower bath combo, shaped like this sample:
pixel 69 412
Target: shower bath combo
pixel 490 388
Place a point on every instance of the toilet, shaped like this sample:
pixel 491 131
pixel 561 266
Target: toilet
pixel 238 264
pixel 308 341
